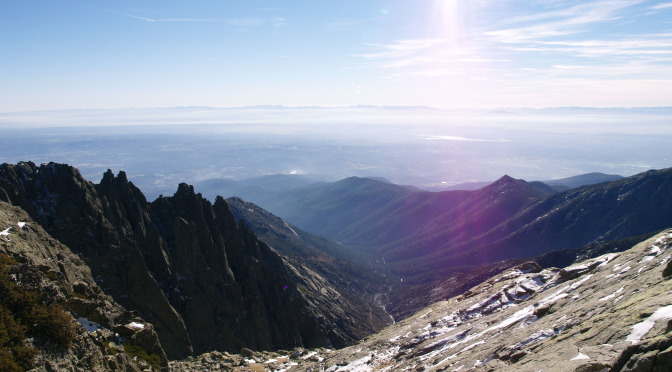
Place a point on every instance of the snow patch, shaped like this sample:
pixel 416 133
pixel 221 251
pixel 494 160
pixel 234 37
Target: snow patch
pixel 609 297
pixel 625 270
pixel 578 284
pixel 640 329
pixel 618 267
pixel 5 233
pixel 309 355
pixel 135 325
pixel 359 365
pixel 605 259
pixel 537 337
pixel 89 325
pixel 516 317
pixel 581 357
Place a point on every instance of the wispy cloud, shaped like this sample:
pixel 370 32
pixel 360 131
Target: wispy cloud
pixel 345 25
pixel 278 22
pixel 241 22
pixel 559 22
pixel 147 19
pixel 246 22
pixel 520 50
pixel 425 58
pixel 254 22
pixel 661 6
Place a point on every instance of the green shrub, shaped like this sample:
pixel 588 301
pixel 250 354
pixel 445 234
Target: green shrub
pixel 56 325
pixel 5 260
pixel 52 275
pixel 23 312
pixel 78 295
pixel 136 351
pixel 14 354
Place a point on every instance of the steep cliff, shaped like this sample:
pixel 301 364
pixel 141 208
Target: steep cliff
pixel 181 262
pixel 92 332
pixel 339 291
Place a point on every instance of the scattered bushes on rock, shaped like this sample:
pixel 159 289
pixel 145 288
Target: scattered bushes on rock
pixel 136 351
pixel 24 312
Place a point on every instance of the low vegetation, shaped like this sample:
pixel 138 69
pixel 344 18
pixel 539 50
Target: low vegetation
pixel 25 313
pixel 135 351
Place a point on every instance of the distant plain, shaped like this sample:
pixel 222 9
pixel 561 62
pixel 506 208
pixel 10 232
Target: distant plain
pixel 428 148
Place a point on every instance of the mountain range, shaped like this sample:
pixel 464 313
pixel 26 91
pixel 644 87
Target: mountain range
pixel 427 239
pixel 183 264
pixel 311 264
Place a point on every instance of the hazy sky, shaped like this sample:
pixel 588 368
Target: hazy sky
pixel 62 54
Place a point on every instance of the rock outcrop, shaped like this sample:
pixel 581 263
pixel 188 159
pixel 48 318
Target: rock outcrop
pixel 182 263
pixel 106 336
pixel 610 313
pixel 349 297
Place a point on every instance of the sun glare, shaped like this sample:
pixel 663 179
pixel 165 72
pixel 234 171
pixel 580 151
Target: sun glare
pixel 447 20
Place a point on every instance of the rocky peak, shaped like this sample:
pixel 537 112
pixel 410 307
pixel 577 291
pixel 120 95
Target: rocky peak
pixel 508 184
pixel 181 262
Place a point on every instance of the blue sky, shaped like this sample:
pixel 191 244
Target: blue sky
pixel 65 54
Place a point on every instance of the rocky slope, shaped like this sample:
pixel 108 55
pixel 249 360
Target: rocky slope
pixel 336 288
pixel 610 313
pixel 182 263
pixel 102 334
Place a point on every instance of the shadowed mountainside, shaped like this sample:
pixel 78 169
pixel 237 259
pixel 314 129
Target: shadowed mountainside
pixel 183 263
pixel 336 287
pixel 431 239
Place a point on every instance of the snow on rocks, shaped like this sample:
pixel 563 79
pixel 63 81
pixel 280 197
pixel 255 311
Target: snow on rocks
pixel 89 325
pixel 249 360
pixel 639 330
pixel 581 357
pixel 580 318
pixel 530 321
pixel 613 295
pixel 135 325
pixel 5 234
pixel 577 270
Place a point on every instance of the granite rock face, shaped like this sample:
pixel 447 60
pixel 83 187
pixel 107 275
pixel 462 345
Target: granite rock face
pixel 349 298
pixel 182 263
pixel 610 313
pixel 102 326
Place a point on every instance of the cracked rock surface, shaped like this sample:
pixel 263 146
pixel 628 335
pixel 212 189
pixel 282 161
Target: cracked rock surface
pixel 610 313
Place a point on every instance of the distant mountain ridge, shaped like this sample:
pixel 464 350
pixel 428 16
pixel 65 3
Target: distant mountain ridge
pixel 429 237
pixel 320 207
pixel 583 180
